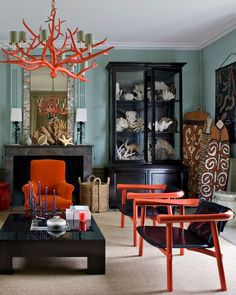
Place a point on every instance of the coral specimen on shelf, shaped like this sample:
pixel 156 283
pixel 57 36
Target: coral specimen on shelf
pixel 51 132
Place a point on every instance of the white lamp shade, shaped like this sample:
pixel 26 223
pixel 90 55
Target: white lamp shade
pixel 16 115
pixel 81 115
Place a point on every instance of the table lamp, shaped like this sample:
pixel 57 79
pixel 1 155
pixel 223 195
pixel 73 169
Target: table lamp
pixel 16 117
pixel 81 118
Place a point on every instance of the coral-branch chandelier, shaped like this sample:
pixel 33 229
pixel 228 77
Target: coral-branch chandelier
pixel 63 59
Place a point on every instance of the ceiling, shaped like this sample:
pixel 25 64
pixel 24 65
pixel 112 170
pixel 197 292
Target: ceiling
pixel 146 24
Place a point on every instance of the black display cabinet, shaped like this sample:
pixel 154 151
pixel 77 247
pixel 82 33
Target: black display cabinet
pixel 145 127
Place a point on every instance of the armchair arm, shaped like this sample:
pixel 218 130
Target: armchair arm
pixel 167 202
pixel 124 187
pixel 165 195
pixel 121 186
pixel 195 217
pixel 65 190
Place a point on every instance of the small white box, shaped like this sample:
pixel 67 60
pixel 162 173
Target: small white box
pixel 73 212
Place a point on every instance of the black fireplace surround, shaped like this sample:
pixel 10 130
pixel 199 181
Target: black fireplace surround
pixel 17 159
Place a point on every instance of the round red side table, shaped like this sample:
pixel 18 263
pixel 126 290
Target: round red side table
pixel 5 197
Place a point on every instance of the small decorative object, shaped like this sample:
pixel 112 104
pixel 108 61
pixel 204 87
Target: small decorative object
pixel 39 208
pixel 42 140
pixel 118 91
pixel 56 224
pixel 81 118
pixel 123 153
pixel 138 125
pixel 131 148
pixel 128 96
pixel 53 130
pixel 131 117
pixel 164 150
pixel 121 124
pixel 73 213
pixel 163 124
pixel 164 92
pixel 138 91
pixel 28 140
pixel 82 216
pixel 16 117
pixel 167 95
pixel 161 86
pixel 66 141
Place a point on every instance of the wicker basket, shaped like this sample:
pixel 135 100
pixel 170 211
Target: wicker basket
pixel 95 194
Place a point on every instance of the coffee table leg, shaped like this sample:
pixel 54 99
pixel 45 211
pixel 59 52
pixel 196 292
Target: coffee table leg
pixel 96 265
pixel 6 265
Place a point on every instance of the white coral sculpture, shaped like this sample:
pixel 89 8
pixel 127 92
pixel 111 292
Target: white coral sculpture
pixel 123 153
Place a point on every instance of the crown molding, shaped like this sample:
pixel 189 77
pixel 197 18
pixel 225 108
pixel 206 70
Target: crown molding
pixel 152 45
pixel 216 34
pixel 209 38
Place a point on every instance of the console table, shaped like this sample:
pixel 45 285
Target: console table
pixel 17 159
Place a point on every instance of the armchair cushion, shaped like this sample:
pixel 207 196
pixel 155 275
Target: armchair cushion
pixel 203 229
pixel 51 174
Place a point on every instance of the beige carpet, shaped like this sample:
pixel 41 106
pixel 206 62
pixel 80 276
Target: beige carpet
pixel 126 273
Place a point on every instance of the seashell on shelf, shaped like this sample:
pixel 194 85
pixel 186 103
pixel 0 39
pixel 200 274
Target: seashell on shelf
pixel 121 124
pixel 164 150
pixel 167 95
pixel 138 91
pixel 42 140
pixel 131 116
pixel 128 96
pixel 161 86
pixel 163 124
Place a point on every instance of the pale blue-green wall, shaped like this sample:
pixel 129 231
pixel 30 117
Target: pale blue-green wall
pixel 212 58
pixel 4 106
pixel 97 93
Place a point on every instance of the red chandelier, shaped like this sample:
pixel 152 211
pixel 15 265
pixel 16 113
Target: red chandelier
pixel 62 59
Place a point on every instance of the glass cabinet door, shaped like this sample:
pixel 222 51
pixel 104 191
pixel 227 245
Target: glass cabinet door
pixel 129 115
pixel 163 115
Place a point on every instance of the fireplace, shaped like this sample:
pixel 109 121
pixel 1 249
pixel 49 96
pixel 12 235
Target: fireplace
pixel 17 165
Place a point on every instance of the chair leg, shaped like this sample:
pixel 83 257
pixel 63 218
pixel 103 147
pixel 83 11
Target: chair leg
pixel 218 256
pixel 140 252
pixel 135 216
pixel 143 213
pixel 123 200
pixel 122 220
pixel 182 212
pixel 169 244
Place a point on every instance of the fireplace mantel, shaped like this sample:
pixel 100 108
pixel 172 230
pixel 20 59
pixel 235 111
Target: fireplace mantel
pixel 84 152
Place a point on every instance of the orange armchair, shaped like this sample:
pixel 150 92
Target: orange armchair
pixel 50 174
pixel 156 191
pixel 202 233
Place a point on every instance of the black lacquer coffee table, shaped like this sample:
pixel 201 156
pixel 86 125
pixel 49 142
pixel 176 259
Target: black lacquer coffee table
pixel 17 240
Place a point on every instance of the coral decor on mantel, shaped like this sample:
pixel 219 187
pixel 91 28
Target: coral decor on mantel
pixel 54 132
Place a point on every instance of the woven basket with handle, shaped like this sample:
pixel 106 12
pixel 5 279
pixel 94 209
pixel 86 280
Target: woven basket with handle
pixel 95 194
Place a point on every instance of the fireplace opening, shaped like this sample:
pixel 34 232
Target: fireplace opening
pixel 21 174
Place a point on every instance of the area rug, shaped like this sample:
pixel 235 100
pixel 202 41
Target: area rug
pixel 126 272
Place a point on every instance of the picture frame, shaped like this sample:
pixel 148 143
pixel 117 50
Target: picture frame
pixel 225 94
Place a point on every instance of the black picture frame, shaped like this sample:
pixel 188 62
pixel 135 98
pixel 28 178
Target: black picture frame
pixel 225 94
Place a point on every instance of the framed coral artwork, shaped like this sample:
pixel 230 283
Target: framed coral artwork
pixel 226 98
